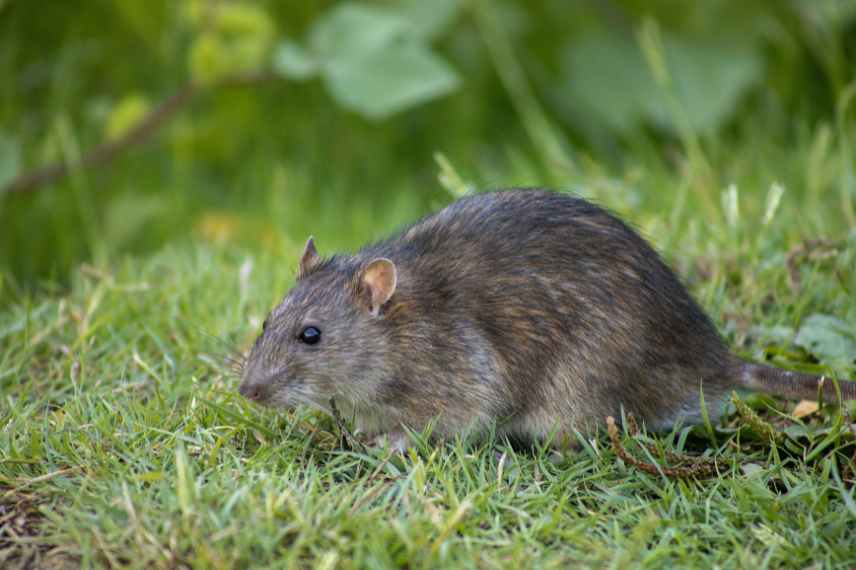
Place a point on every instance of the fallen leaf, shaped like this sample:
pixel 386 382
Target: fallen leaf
pixel 805 408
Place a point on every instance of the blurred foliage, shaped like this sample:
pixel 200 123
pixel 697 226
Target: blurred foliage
pixel 229 38
pixel 373 58
pixel 360 95
pixel 830 338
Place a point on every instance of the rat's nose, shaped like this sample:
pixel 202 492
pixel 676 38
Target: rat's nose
pixel 251 391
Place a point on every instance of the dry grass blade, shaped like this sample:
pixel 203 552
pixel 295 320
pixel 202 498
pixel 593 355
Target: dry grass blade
pixel 755 422
pixel 348 440
pixel 809 250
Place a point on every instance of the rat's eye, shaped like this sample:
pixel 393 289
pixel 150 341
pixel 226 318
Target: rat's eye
pixel 310 335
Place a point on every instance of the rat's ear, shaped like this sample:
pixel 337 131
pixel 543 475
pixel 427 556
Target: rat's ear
pixel 309 259
pixel 377 284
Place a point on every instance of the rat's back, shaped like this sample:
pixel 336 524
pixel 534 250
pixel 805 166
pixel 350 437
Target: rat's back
pixel 572 315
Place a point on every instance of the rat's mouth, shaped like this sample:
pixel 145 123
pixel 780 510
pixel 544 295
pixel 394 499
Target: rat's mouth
pixel 297 394
pixel 281 392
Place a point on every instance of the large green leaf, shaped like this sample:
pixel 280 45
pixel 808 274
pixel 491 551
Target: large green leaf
pixel 374 59
pixel 429 19
pixel 383 82
pixel 351 30
pixel 607 74
pixel 830 339
pixel 710 76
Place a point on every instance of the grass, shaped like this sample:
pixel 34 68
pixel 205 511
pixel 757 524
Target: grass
pixel 124 443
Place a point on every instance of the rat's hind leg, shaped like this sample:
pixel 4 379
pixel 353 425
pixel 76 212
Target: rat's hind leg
pixel 537 426
pixel 397 440
pixel 688 411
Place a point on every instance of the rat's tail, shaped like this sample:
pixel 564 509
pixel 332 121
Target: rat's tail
pixel 793 385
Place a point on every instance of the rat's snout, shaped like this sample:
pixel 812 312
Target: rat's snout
pixel 254 391
pixel 256 384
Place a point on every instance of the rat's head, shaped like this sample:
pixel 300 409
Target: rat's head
pixel 327 338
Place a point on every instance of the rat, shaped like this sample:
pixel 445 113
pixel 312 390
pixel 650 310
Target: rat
pixel 535 312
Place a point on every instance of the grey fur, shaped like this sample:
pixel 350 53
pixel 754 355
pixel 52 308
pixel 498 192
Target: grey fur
pixel 537 311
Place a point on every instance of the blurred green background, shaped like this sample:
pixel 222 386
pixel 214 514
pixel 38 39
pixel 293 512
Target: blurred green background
pixel 345 119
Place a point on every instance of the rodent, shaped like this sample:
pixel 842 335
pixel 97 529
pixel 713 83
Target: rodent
pixel 533 311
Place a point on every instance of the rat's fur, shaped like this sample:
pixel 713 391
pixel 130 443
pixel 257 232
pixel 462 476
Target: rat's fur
pixel 536 311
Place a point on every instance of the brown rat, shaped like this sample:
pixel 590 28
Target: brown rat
pixel 533 311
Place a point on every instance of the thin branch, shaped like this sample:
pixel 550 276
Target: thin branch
pixel 698 468
pixel 138 134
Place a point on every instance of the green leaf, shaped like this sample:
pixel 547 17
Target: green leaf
pixel 373 58
pixel 429 19
pixel 798 431
pixel 607 74
pixel 350 30
pixel 292 61
pixel 126 115
pixel 778 333
pixel 384 82
pixel 710 76
pixel 234 37
pixel 209 59
pixel 830 339
pixel 10 159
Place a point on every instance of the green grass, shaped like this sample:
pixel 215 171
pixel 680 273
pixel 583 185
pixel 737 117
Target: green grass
pixel 124 442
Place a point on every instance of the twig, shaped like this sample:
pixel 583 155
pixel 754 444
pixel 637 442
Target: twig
pixel 139 133
pixel 698 468
pixel 633 431
pixel 809 250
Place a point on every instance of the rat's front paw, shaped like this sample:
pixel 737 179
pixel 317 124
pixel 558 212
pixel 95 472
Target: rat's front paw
pixel 396 440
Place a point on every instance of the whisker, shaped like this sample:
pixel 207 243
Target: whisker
pixel 235 360
pixel 224 344
pixel 230 363
pixel 306 401
pixel 223 353
pixel 211 336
